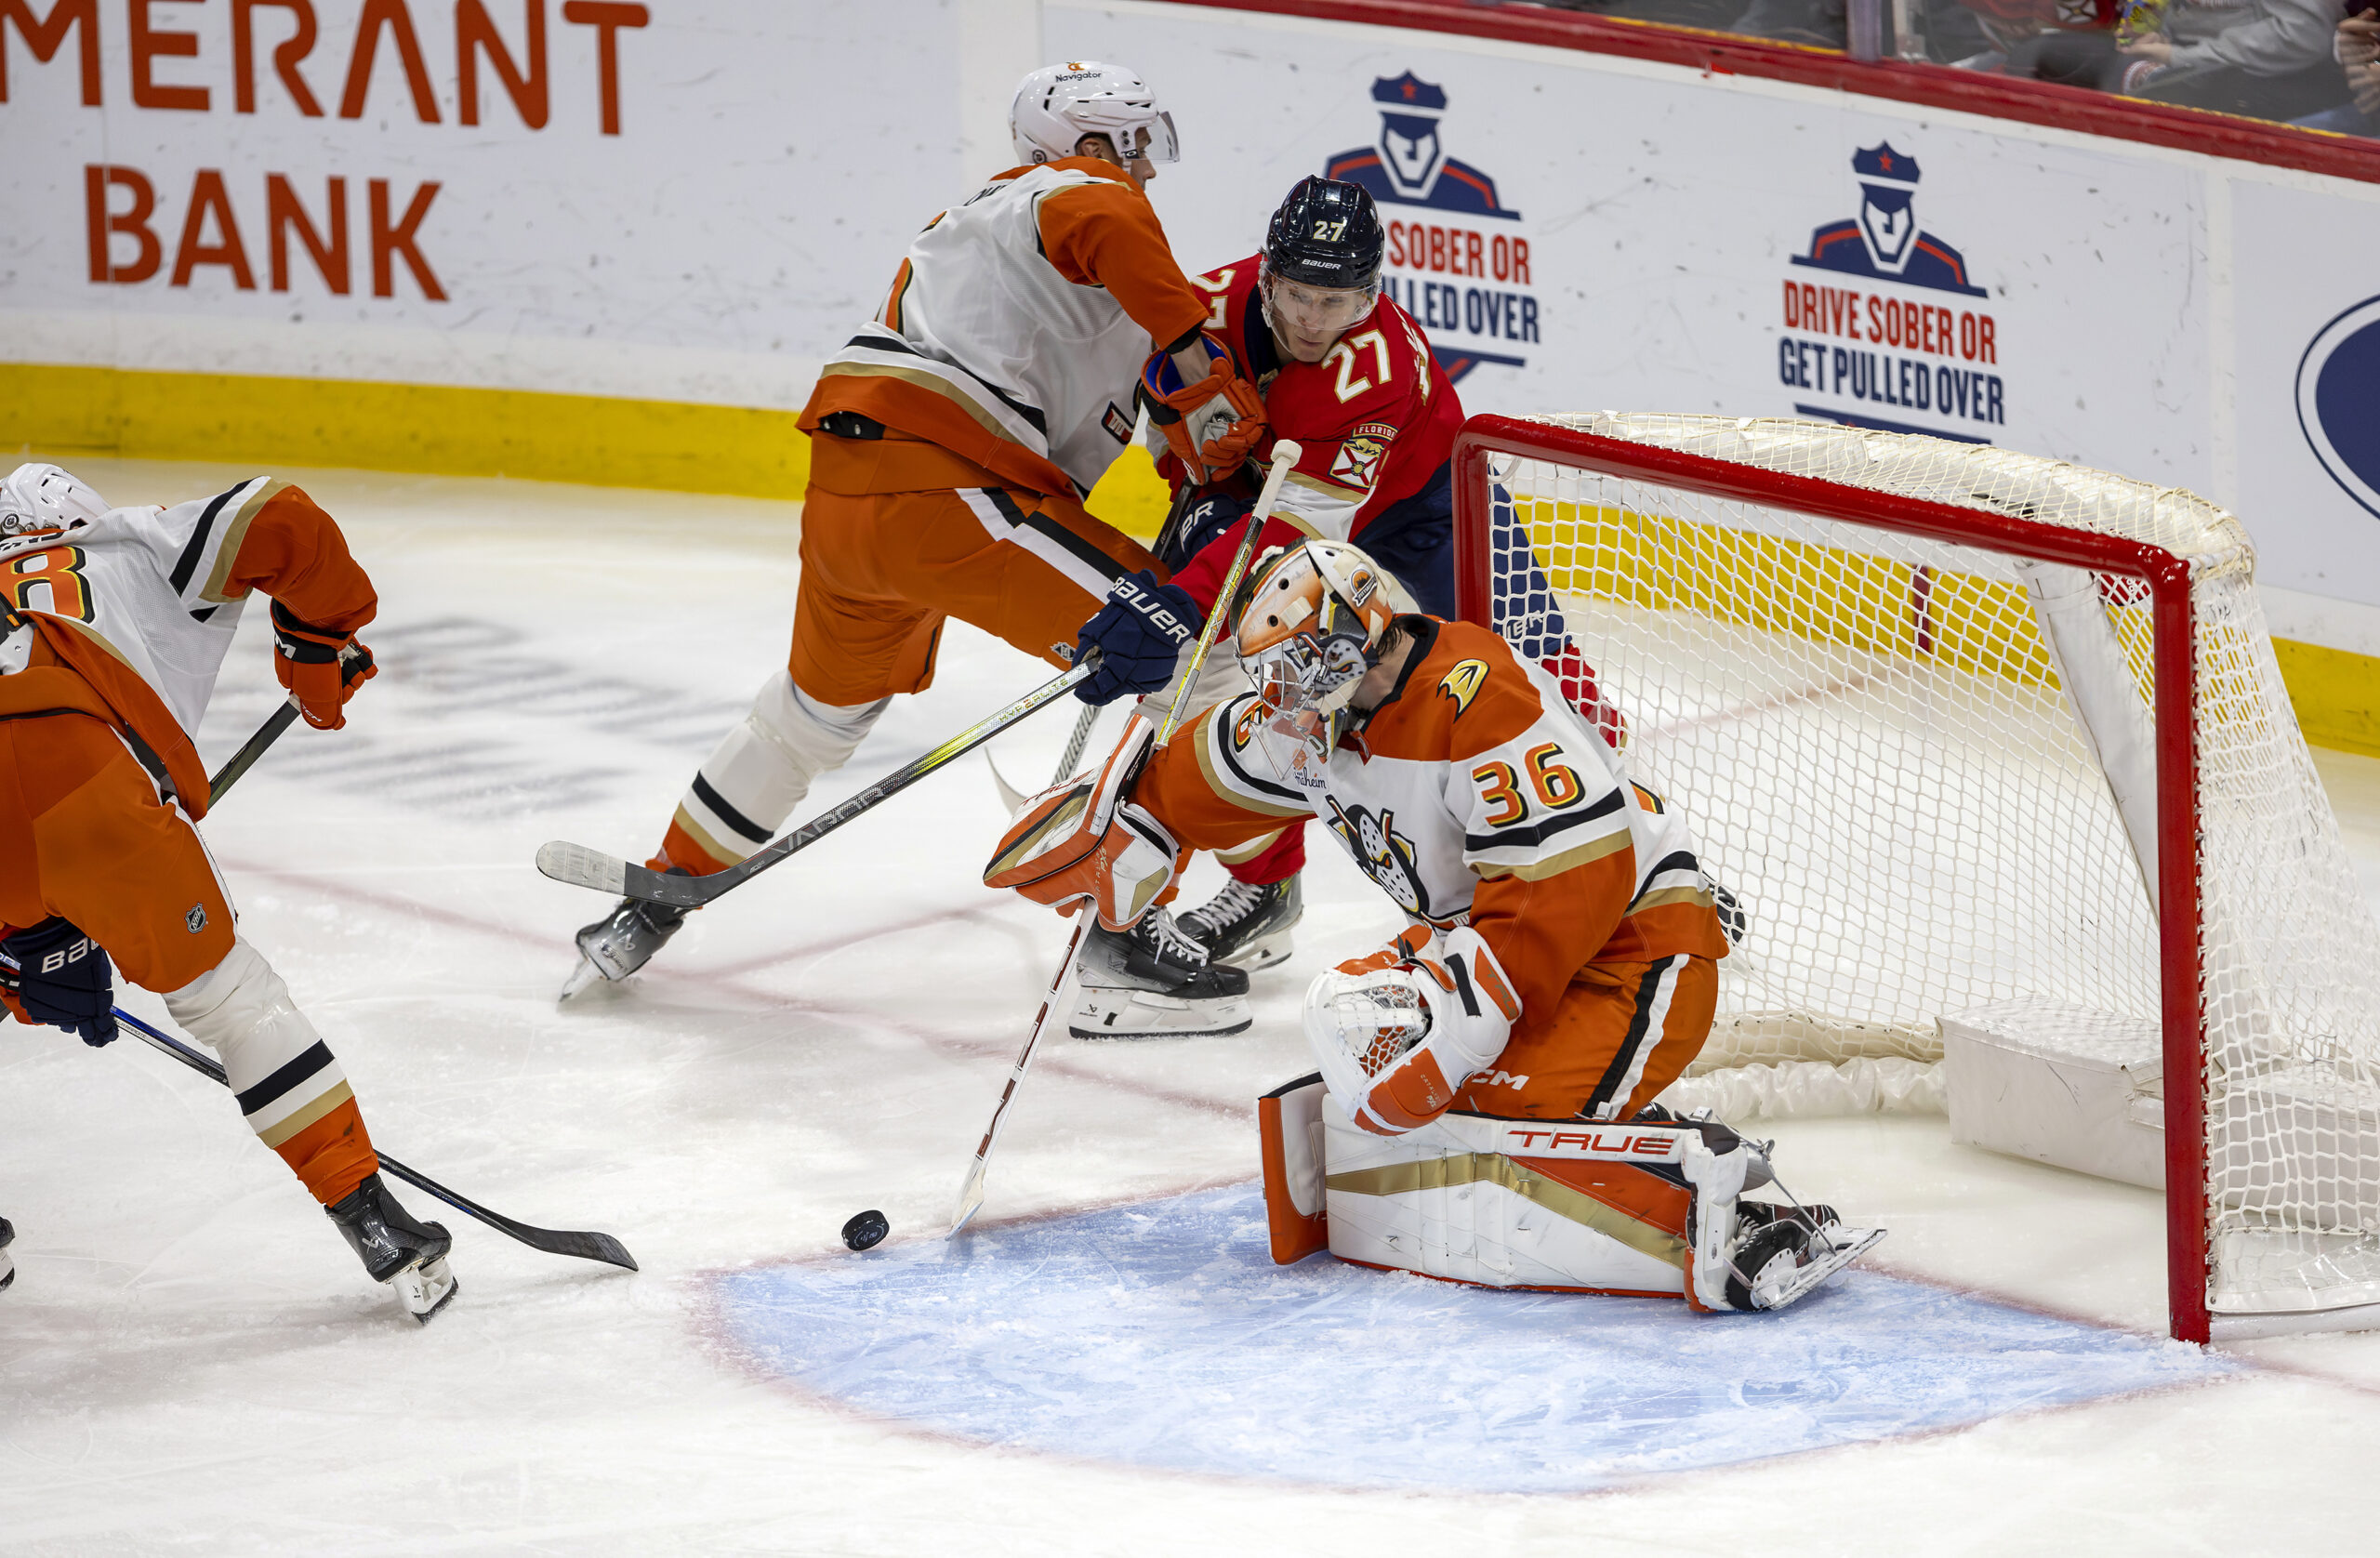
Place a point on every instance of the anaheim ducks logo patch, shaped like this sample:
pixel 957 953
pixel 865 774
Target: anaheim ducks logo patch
pixel 1462 684
pixel 1385 854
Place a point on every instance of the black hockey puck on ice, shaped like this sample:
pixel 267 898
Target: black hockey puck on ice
pixel 866 1230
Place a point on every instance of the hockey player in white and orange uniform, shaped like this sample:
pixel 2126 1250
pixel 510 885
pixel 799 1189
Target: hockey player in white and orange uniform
pixel 113 623
pixel 953 437
pixel 1499 1060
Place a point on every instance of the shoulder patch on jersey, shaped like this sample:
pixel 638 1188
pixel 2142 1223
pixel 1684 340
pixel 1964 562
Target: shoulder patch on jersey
pixel 1462 684
pixel 1359 460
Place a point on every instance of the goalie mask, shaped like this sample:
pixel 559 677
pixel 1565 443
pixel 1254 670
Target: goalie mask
pixel 1307 626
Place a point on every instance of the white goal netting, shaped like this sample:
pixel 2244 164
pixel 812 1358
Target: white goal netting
pixel 1886 757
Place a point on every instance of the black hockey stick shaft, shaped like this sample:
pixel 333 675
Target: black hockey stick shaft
pixel 245 758
pixel 581 867
pixel 585 1246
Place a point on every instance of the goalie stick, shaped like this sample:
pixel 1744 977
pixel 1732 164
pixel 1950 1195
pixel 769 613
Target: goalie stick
pixel 581 867
pixel 585 1246
pixel 971 1189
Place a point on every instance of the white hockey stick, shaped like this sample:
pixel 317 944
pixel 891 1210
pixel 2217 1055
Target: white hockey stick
pixel 971 1189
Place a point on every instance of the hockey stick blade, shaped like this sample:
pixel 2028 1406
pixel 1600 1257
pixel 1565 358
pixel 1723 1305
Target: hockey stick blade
pixel 581 867
pixel 553 1241
pixel 1012 797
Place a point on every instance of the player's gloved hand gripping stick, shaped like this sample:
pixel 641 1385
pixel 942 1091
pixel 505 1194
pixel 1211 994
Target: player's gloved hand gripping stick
pixel 585 1246
pixel 971 1189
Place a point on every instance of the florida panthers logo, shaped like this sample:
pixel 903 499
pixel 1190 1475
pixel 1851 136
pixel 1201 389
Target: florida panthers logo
pixel 1385 854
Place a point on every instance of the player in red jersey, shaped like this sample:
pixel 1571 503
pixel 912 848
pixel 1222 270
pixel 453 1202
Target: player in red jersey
pixel 1348 375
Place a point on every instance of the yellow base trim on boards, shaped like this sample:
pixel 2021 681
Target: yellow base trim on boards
pixel 530 435
pixel 2337 694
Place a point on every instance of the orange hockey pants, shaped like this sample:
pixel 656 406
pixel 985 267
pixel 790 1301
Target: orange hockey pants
pixel 1621 1033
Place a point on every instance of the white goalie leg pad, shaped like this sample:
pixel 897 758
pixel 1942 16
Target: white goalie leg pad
pixel 1444 1201
pixel 761 769
pixel 284 1075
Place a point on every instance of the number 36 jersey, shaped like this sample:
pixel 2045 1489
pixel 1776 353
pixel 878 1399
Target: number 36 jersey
pixel 1475 794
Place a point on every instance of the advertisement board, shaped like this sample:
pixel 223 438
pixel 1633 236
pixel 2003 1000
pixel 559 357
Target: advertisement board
pixel 664 214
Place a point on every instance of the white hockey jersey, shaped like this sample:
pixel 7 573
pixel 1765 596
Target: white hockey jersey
pixel 143 602
pixel 1476 794
pixel 1016 328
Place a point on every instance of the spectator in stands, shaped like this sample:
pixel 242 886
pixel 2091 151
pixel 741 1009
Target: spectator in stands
pixel 2266 59
pixel 2356 46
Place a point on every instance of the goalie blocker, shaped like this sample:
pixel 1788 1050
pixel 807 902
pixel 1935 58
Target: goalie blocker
pixel 1642 1208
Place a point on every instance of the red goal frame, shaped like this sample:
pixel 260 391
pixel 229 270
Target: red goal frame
pixel 2174 672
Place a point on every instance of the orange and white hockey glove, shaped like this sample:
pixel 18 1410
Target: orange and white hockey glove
pixel 1212 425
pixel 1084 841
pixel 322 665
pixel 1398 1033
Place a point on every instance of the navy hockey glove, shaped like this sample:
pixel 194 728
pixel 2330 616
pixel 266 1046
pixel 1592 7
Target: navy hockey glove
pixel 55 975
pixel 1139 635
pixel 1205 520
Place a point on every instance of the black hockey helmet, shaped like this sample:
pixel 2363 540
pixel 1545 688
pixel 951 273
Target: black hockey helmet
pixel 1326 233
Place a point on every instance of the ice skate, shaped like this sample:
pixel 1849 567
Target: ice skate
pixel 1151 981
pixel 8 1264
pixel 621 942
pixel 408 1255
pixel 1246 926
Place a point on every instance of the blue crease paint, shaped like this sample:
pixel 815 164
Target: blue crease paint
pixel 1161 1335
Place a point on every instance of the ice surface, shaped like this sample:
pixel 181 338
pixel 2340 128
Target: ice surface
pixel 1161 1334
pixel 191 1360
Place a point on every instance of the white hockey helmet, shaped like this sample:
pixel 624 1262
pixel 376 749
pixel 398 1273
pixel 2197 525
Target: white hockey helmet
pixel 40 498
pixel 1058 105
pixel 1308 623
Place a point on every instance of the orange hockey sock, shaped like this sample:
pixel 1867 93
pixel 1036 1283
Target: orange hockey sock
pixel 332 1156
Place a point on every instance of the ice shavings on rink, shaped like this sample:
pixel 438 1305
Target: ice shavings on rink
pixel 1161 1335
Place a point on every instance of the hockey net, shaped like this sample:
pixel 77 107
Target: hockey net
pixel 1917 699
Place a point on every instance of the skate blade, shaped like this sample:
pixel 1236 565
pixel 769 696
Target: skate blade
pixel 587 973
pixel 1264 952
pixel 1144 1015
pixel 1849 1245
pixel 424 1289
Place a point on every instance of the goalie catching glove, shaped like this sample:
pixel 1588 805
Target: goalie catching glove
pixel 1398 1033
pixel 1211 426
pixel 1084 840
pixel 322 665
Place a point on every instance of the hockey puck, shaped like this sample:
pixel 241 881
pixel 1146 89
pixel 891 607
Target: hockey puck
pixel 866 1230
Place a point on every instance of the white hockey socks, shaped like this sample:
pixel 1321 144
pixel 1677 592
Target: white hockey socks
pixel 289 1085
pixel 761 769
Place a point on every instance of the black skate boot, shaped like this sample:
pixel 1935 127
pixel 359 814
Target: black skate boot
pixel 1151 981
pixel 623 941
pixel 410 1257
pixel 1246 926
pixel 8 1264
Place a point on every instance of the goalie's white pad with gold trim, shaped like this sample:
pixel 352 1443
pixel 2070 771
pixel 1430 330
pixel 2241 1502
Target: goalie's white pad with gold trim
pixel 1579 1213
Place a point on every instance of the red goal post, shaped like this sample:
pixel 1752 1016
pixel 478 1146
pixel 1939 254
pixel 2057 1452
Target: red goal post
pixel 1581 490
